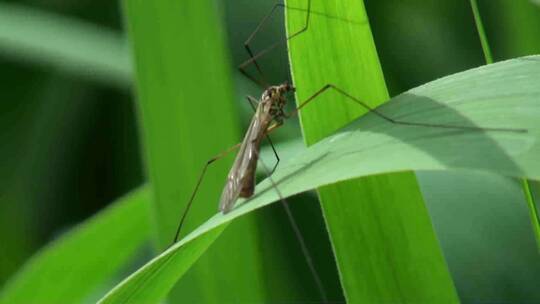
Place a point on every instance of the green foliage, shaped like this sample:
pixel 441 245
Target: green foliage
pixel 184 86
pixel 477 201
pixel 481 32
pixel 382 237
pixel 79 262
pixel 399 243
pixel 64 43
pixel 371 144
pixel 535 217
pixel 533 209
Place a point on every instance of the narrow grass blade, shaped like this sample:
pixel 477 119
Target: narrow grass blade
pixel 385 215
pixel 502 94
pixel 71 268
pixel 481 32
pixel 534 192
pixel 187 117
pixel 533 210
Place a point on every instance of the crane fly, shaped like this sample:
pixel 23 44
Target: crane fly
pixel 269 115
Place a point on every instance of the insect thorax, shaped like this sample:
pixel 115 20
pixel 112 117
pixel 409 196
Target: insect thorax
pixel 274 100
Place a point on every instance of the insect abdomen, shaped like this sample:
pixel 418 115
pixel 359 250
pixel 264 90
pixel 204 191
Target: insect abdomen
pixel 248 184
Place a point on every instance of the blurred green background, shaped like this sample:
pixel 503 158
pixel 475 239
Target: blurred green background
pixel 70 141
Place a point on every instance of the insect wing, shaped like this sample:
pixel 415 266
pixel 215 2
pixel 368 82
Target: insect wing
pixel 246 155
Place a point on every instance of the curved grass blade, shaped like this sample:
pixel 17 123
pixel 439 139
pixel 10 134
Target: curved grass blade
pixel 503 94
pixel 95 251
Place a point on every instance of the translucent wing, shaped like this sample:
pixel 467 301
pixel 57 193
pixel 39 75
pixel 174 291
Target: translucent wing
pixel 241 178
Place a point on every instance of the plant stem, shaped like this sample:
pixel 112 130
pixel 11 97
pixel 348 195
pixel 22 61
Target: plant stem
pixel 481 32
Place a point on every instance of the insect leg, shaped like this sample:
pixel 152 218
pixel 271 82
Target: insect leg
pixel 396 121
pixel 298 234
pixel 253 101
pixel 199 181
pixel 256 31
pixel 253 57
pixel 275 154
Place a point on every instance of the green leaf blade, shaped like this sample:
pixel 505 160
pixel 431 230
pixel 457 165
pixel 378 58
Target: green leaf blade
pixel 375 207
pixel 89 251
pixel 373 145
pixel 187 117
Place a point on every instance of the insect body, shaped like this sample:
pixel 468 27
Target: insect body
pixel 268 116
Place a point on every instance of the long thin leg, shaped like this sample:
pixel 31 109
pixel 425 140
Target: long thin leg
pixel 256 31
pixel 396 121
pixel 199 181
pixel 305 251
pixel 299 237
pixel 275 154
pixel 253 102
pixel 253 57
